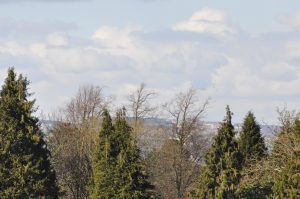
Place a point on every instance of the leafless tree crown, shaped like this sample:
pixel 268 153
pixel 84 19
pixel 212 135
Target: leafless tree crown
pixel 140 106
pixel 88 103
pixel 74 139
pixel 179 159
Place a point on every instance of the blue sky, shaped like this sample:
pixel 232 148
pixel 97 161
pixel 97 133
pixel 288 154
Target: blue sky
pixel 242 53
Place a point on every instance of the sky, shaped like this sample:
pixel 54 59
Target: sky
pixel 242 53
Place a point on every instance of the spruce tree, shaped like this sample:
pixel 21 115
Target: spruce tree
pixel 25 169
pixel 223 163
pixel 252 143
pixel 118 170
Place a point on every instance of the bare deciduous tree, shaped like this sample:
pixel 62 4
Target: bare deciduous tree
pixel 88 103
pixel 286 118
pixel 74 137
pixel 140 106
pixel 180 157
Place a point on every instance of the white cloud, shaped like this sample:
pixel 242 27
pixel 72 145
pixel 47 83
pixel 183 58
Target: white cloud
pixel 292 20
pixel 38 50
pixel 281 71
pixel 57 39
pixel 240 79
pixel 12 48
pixel 244 71
pixel 115 37
pixel 206 21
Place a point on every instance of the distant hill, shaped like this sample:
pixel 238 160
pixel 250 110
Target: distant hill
pixel 157 131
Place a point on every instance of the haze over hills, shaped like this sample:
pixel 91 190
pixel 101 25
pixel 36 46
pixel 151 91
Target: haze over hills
pixel 157 131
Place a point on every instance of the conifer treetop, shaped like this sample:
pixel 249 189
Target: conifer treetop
pixel 25 169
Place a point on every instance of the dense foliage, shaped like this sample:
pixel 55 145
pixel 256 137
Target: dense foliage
pixel 253 149
pixel 25 169
pixel 251 142
pixel 118 171
pixel 286 153
pixel 221 173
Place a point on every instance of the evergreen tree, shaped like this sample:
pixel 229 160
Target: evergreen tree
pixel 118 170
pixel 287 152
pixel 252 143
pixel 130 169
pixel 253 149
pixel 223 163
pixel 25 170
pixel 277 175
pixel 102 183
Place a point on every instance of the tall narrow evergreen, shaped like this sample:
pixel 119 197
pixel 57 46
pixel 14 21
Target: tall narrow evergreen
pixel 132 179
pixel 102 183
pixel 223 163
pixel 118 170
pixel 252 143
pixel 253 149
pixel 25 170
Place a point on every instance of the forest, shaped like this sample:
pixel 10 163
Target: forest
pixel 92 148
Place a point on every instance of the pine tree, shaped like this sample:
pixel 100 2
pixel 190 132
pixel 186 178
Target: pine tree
pixel 252 143
pixel 118 170
pixel 223 163
pixel 25 169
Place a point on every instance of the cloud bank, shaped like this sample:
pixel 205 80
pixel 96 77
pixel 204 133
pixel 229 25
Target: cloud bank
pixel 245 71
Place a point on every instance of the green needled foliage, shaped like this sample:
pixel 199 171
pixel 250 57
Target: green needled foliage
pixel 221 174
pixel 117 169
pixel 25 170
pixel 287 148
pixel 102 184
pixel 252 143
pixel 253 149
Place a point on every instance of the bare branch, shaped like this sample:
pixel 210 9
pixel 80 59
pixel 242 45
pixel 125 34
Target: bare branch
pixel 74 138
pixel 182 153
pixel 139 102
